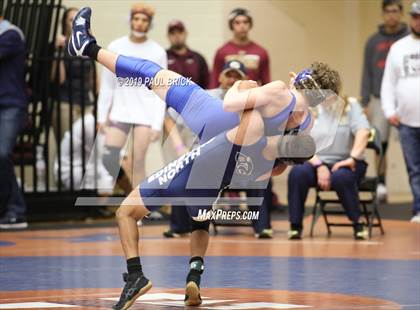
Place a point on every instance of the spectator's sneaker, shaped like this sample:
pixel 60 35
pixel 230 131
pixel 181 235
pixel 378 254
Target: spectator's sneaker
pixel 360 232
pixel 80 36
pixel 294 234
pixel 416 218
pixel 171 234
pixel 133 289
pixel 155 216
pixel 382 192
pixel 264 234
pixel 13 222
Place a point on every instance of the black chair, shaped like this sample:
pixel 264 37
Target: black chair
pixel 369 206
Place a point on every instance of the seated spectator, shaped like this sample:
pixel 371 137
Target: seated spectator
pixel 232 71
pixel 72 162
pixel 339 168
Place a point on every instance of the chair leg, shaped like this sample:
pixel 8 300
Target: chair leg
pixel 366 214
pixel 370 223
pixel 378 217
pixel 325 219
pixel 314 218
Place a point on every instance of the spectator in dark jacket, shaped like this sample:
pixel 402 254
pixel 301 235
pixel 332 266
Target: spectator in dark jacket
pixel 13 111
pixel 182 60
pixel 376 51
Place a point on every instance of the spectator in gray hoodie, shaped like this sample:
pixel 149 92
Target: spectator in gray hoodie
pixel 376 51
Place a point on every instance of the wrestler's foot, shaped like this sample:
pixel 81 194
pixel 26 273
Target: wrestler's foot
pixel 133 289
pixel 80 36
pixel 192 289
pixel 192 294
pixel 295 149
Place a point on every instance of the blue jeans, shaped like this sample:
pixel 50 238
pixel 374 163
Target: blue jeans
pixel 410 143
pixel 12 120
pixel 344 181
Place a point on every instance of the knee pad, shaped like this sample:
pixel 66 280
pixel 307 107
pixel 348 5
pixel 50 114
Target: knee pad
pixel 131 67
pixel 195 225
pixel 111 159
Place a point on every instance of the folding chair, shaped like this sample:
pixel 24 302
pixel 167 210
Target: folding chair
pixel 369 206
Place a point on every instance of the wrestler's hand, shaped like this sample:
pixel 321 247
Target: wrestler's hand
pixel 247 84
pixel 154 135
pixel 324 177
pixel 292 76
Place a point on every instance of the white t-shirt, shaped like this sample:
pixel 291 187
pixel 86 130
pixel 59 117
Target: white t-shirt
pixel 132 104
pixel 400 90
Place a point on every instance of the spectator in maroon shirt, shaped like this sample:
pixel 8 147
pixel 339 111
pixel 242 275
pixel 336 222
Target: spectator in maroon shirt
pixel 182 60
pixel 241 48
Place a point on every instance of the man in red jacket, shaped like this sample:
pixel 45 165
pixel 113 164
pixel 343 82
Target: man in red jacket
pixel 241 48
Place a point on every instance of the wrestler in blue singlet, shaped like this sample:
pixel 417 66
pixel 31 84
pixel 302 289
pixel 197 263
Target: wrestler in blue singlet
pixel 205 116
pixel 204 171
pixel 202 113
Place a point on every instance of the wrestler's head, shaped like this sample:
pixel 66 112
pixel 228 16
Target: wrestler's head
pixel 316 80
pixel 141 16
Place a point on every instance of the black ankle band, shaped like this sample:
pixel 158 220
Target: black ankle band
pixel 197 264
pixel 92 50
pixel 134 265
pixel 195 258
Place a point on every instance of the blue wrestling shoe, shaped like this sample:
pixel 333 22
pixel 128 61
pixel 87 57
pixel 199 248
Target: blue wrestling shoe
pixel 80 36
pixel 133 289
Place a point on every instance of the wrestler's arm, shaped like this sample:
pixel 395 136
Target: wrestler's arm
pixel 244 95
pixel 277 170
